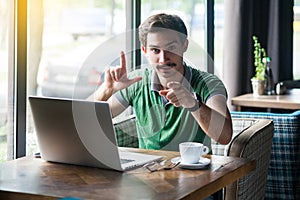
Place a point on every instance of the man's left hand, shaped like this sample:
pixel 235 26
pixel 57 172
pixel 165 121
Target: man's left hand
pixel 178 95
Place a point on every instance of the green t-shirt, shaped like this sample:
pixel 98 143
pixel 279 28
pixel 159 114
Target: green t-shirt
pixel 160 125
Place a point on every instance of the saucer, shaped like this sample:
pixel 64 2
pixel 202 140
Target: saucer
pixel 203 162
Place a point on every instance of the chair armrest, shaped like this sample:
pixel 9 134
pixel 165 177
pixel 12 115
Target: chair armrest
pixel 254 143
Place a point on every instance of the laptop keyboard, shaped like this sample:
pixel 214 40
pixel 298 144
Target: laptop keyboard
pixel 123 160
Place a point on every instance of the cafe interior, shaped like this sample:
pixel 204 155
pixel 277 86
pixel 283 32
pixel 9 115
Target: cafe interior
pixel 60 49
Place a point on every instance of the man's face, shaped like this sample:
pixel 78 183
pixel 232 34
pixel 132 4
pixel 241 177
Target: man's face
pixel 165 52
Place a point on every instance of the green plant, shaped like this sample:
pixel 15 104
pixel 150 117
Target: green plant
pixel 260 56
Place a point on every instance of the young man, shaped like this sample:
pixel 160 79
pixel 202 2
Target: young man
pixel 173 102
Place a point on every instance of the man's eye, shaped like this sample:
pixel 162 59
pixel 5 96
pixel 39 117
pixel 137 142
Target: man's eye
pixel 156 51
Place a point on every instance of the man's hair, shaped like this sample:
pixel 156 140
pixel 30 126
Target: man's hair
pixel 160 22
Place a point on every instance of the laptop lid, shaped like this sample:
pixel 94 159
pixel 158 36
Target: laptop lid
pixel 79 132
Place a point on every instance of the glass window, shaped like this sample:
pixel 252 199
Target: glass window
pixel 219 36
pixel 6 83
pixel 70 45
pixel 72 42
pixel 296 50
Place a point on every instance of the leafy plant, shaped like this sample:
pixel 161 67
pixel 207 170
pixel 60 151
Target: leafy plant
pixel 260 56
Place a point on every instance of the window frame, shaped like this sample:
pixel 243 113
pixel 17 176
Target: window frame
pixel 20 77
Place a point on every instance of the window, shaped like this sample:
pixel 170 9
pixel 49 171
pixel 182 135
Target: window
pixel 218 37
pixel 6 71
pixel 70 45
pixel 296 50
pixel 61 53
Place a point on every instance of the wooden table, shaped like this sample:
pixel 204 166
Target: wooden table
pixel 290 101
pixel 33 178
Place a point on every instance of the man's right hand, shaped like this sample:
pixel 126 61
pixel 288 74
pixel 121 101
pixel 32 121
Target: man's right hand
pixel 115 79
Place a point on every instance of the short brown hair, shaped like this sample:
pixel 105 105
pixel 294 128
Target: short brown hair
pixel 161 21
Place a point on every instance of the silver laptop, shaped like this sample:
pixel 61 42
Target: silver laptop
pixel 80 132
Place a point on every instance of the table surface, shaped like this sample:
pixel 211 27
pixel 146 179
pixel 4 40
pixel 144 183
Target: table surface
pixel 34 178
pixel 290 101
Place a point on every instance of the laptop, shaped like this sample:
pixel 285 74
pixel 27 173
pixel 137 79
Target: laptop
pixel 81 132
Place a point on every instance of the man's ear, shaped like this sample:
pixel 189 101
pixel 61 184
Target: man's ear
pixel 144 49
pixel 185 45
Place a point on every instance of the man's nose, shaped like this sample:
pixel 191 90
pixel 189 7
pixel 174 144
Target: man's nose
pixel 163 56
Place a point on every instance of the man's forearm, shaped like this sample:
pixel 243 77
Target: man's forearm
pixel 214 124
pixel 102 94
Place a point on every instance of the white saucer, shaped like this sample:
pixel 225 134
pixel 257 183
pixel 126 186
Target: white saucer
pixel 203 162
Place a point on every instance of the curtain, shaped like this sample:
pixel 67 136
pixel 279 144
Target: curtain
pixel 272 22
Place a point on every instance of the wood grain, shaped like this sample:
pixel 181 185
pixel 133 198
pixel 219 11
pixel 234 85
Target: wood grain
pixel 289 101
pixel 34 178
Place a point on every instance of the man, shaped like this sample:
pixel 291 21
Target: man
pixel 173 102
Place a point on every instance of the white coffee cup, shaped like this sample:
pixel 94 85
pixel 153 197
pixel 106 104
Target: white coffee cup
pixel 190 152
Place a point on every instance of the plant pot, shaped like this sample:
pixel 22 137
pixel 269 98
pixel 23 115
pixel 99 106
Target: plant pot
pixel 258 87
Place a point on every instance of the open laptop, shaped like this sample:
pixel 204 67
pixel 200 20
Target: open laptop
pixel 81 132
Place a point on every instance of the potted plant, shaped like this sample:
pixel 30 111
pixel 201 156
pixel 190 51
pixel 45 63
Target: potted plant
pixel 259 79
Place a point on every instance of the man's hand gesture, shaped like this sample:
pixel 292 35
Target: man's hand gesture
pixel 116 77
pixel 178 95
